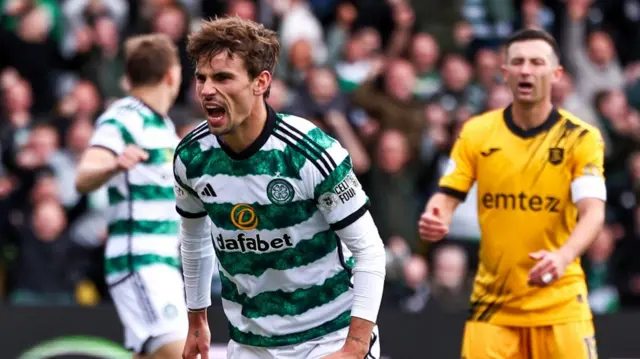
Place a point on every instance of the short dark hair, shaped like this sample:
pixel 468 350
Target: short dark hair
pixel 533 34
pixel 148 58
pixel 256 45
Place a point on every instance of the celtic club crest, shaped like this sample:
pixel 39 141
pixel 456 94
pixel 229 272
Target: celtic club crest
pixel 280 191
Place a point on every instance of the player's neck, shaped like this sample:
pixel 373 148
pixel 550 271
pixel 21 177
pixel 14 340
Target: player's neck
pixel 249 131
pixel 155 98
pixel 531 116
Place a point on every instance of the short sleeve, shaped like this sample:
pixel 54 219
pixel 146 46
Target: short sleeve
pixel 337 191
pixel 460 173
pixel 587 167
pixel 188 204
pixel 112 135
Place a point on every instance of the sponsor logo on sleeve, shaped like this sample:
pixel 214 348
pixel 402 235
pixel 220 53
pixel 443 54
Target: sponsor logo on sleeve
pixel 343 192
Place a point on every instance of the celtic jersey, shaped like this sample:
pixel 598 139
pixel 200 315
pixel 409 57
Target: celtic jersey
pixel 143 225
pixel 274 208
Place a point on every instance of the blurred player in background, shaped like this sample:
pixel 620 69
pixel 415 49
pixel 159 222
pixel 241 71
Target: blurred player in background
pixel 301 262
pixel 541 197
pixel 132 151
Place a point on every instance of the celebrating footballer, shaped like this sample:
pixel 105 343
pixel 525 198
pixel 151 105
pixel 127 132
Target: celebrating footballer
pixel 541 201
pixel 302 270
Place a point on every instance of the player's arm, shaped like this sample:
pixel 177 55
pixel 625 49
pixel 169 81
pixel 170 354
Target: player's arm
pixel 589 193
pixel 196 245
pixel 198 257
pixel 111 150
pixel 453 186
pixel 344 204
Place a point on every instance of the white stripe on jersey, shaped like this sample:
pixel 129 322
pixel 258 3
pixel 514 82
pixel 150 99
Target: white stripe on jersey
pixel 289 324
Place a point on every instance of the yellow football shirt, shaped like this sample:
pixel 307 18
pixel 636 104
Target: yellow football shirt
pixel 525 204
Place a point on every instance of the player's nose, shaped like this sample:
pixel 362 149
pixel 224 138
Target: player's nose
pixel 208 90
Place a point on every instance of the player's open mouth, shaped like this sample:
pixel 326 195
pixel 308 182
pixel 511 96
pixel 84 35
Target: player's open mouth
pixel 524 86
pixel 215 112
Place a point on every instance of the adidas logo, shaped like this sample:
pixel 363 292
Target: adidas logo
pixel 208 191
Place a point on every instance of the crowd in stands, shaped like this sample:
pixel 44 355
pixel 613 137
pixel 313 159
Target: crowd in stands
pixel 392 80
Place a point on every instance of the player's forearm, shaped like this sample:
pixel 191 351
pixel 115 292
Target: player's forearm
pixel 197 261
pixel 589 225
pixel 91 176
pixel 359 337
pixel 363 240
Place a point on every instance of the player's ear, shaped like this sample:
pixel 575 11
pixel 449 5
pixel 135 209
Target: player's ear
pixel 557 74
pixel 261 83
pixel 173 76
pixel 503 70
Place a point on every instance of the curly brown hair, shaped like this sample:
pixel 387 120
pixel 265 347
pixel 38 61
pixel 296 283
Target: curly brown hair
pixel 256 45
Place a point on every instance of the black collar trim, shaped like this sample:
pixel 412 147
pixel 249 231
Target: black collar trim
pixel 551 120
pixel 272 118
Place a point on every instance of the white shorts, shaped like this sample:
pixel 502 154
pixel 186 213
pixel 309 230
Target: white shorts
pixel 152 308
pixel 314 349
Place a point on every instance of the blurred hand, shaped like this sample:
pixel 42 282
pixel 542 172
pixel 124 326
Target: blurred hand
pixel 346 14
pixel 462 33
pixel 378 65
pixel 335 119
pixel 34 26
pixel 15 7
pixel 550 264
pixel 403 16
pixel 198 341
pixel 29 159
pixel 131 156
pixel 431 226
pixel 578 9
pixel 369 129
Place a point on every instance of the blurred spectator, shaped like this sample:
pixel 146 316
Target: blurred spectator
pixel 392 185
pixel 450 284
pixel 603 296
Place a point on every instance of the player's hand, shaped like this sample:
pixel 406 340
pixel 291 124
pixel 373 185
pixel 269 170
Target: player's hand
pixel 550 267
pixel 431 226
pixel 198 341
pixel 131 156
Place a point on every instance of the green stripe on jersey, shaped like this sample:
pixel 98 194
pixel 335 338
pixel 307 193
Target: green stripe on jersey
pixel 320 138
pixel 215 161
pixel 126 135
pixel 283 303
pixel 124 227
pixel 159 156
pixel 141 193
pixel 255 264
pixel 335 177
pixel 270 216
pixel 341 321
pixel 115 265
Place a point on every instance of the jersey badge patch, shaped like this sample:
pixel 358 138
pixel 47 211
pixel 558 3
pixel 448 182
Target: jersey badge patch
pixel 328 201
pixel 556 155
pixel 280 191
